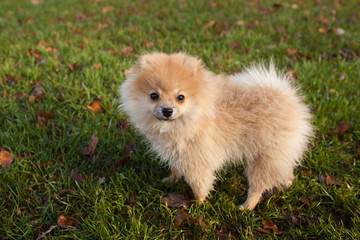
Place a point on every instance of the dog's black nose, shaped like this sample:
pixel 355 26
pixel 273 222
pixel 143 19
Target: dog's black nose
pixel 167 112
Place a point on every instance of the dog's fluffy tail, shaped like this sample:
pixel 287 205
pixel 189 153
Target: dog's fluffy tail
pixel 262 76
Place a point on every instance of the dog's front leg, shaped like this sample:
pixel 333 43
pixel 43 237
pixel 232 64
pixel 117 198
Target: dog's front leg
pixel 201 182
pixel 174 177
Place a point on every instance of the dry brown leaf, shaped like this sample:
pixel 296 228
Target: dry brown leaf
pixel 65 221
pixel 342 127
pixel 90 147
pixel 210 24
pixel 45 114
pixel 240 22
pixel 6 158
pixel 35 54
pixel 32 99
pixel 76 176
pixel 107 9
pixel 36 2
pixel 330 180
pixel 130 147
pixel 305 200
pixel 322 30
pixel 38 92
pixel 5 94
pixel 95 107
pixel 67 191
pixel 292 75
pixel 200 220
pixel 268 224
pixel 176 200
pixel 20 95
pixel 123 125
pixel 11 79
pixel 127 51
pixel 264 231
pixel 291 52
pixel 182 216
pixel 306 172
pixel 342 77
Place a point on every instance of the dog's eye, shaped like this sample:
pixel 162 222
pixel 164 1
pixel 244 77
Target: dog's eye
pixel 180 98
pixel 154 96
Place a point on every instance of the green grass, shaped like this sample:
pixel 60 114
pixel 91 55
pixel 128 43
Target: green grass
pixel 128 204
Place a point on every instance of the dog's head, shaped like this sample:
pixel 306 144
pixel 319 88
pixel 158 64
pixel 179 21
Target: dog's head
pixel 165 88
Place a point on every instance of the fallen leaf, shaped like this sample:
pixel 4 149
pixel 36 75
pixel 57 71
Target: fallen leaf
pixel 342 77
pixel 43 235
pixel 330 180
pixel 6 158
pixel 95 107
pixel 11 79
pixel 122 161
pixel 76 66
pixel 123 125
pixel 107 9
pixel 291 52
pixel 306 172
pixel 130 147
pixel 34 54
pixel 292 75
pixel 38 92
pixel 235 45
pixel 32 99
pixel 176 200
pixel 65 221
pixel 295 220
pixel 20 95
pixel 342 127
pixel 127 51
pixel 223 233
pixel 182 216
pixel 240 22
pixel 76 176
pixel 264 231
pixel 67 191
pixel 268 224
pixel 147 44
pixel 200 220
pixel 210 24
pixel 45 114
pixel 322 30
pixel 305 200
pixel 5 94
pixel 339 31
pixel 36 2
pixel 90 147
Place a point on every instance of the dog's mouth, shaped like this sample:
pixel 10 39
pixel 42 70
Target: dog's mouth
pixel 165 119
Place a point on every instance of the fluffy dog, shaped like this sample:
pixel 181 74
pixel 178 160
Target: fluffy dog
pixel 197 121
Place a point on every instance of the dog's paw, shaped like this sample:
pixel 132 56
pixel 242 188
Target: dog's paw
pixel 169 179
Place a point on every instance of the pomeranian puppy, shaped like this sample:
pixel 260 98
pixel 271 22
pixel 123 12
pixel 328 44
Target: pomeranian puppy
pixel 197 121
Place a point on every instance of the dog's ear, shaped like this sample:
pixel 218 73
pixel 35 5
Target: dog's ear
pixel 194 64
pixel 143 61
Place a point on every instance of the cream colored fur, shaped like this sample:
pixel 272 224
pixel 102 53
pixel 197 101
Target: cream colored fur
pixel 256 116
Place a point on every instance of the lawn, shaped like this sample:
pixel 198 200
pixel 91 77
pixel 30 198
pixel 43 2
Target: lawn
pixel 61 64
